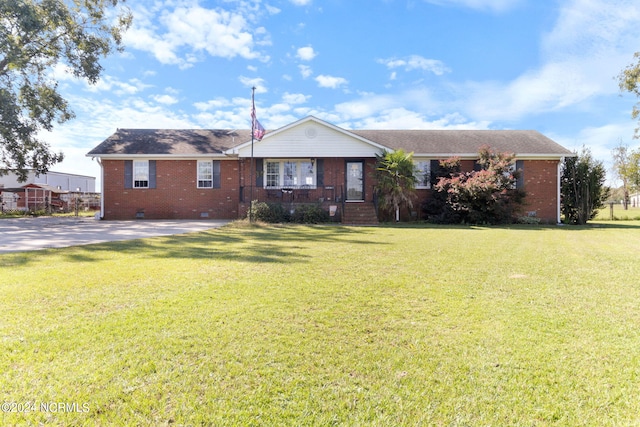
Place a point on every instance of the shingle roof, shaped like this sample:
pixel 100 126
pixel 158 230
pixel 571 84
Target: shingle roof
pixel 170 141
pixel 465 141
pixel 191 142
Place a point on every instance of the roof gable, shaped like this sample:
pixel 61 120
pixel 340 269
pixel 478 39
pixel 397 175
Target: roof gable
pixel 309 137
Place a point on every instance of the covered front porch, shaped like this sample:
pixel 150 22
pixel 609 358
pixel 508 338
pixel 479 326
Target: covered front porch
pixel 334 200
pixel 309 162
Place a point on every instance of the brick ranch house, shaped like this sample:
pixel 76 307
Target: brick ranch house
pixel 205 173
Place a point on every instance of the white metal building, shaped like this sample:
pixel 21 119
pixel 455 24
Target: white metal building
pixel 60 180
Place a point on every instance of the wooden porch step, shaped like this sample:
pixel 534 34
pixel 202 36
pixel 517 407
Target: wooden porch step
pixel 363 213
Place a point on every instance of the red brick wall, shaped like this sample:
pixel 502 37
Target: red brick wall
pixel 541 185
pixel 175 195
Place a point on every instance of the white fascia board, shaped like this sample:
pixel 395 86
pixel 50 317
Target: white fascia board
pixel 474 156
pixel 540 156
pixel 161 156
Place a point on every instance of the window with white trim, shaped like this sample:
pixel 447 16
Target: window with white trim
pixel 140 174
pixel 205 174
pixel 273 174
pixel 289 173
pixel 423 173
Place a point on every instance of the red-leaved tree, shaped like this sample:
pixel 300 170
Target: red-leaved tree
pixel 485 196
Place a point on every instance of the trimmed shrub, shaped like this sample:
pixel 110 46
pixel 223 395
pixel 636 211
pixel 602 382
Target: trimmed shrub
pixel 528 220
pixel 310 214
pixel 269 212
pixel 276 213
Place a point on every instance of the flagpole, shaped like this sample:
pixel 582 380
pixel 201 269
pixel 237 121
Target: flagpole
pixel 253 120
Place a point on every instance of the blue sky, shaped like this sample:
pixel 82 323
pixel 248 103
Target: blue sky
pixel 364 64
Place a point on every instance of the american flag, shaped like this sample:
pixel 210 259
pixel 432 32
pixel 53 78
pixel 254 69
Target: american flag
pixel 258 130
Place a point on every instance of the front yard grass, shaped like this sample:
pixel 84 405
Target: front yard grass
pixel 632 213
pixel 328 325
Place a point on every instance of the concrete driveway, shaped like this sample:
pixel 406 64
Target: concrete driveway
pixel 27 234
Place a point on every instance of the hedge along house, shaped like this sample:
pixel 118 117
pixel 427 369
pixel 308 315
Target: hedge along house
pixel 189 174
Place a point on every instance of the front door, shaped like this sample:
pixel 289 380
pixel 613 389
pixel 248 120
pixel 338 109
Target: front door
pixel 355 181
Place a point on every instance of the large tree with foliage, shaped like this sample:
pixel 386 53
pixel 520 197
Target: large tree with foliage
pixel 626 167
pixel 582 188
pixel 396 180
pixel 629 81
pixel 35 37
pixel 488 195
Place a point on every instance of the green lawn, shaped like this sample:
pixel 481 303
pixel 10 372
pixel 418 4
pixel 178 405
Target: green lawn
pixel 619 213
pixel 296 325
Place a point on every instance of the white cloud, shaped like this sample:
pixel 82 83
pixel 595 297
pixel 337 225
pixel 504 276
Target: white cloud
pixel 212 104
pixel 220 33
pixel 365 107
pixel 106 83
pixel 418 99
pixel 416 62
pixel 223 119
pixel 489 5
pixel 276 109
pixel 600 140
pixel 590 43
pixel 165 99
pixel 553 87
pixel 300 2
pixel 295 98
pixel 412 109
pixel 331 82
pixel 593 27
pixel 306 53
pixel 97 119
pixel 401 118
pixel 256 82
pixel 305 71
pixel 144 39
pixel 198 30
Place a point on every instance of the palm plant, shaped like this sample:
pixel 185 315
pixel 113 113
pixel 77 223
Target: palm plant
pixel 396 180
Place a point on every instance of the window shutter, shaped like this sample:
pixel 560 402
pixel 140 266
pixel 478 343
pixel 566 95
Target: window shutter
pixel 520 169
pixel 128 174
pixel 434 166
pixel 259 173
pixel 320 172
pixel 216 174
pixel 152 174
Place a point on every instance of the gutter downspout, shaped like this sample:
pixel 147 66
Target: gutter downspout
pixel 101 188
pixel 559 175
